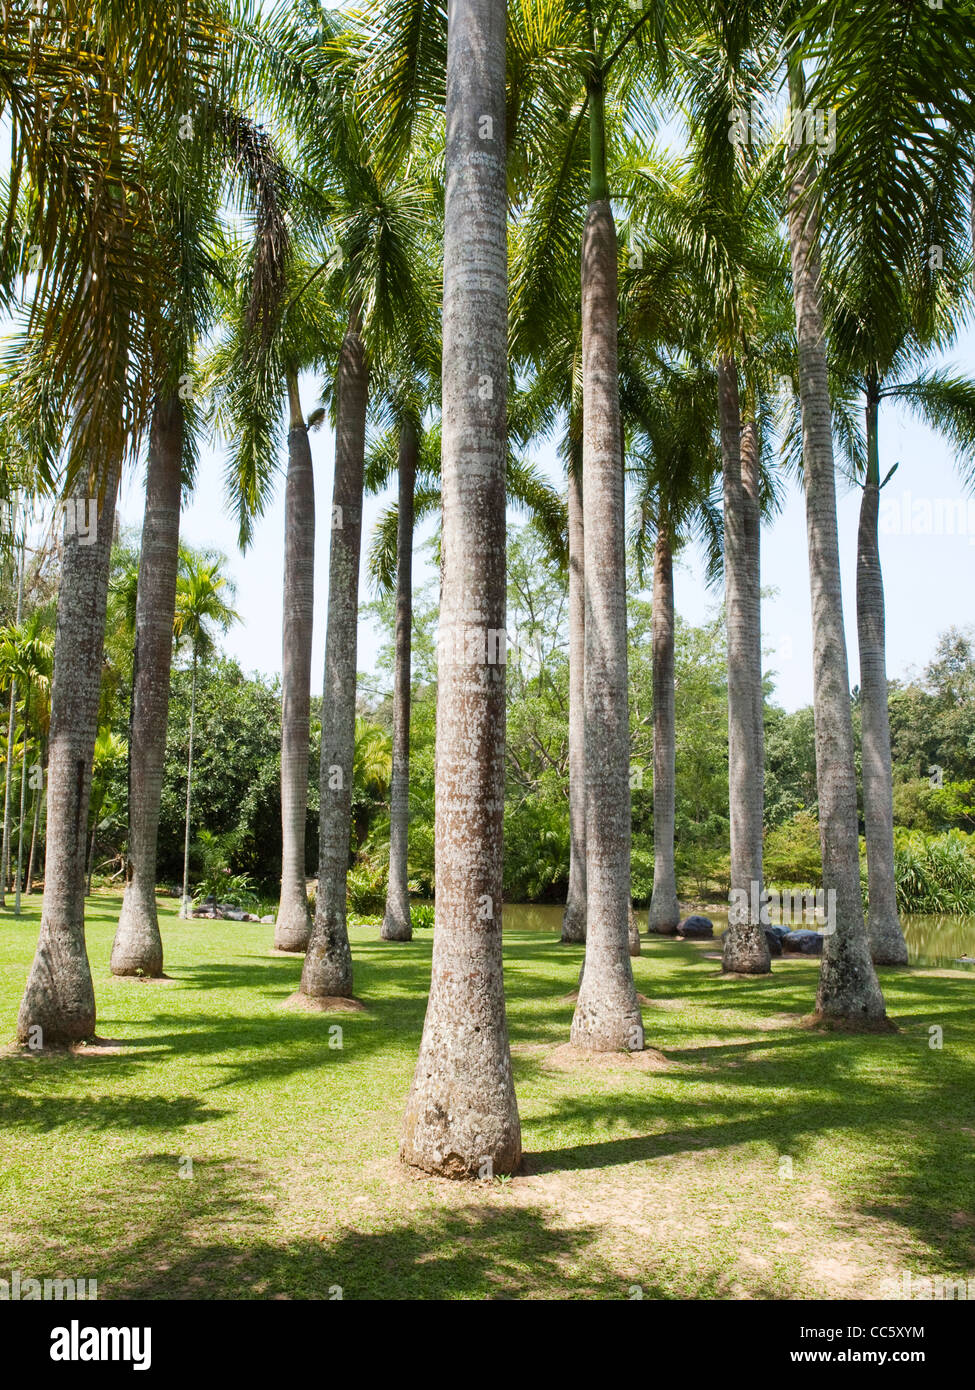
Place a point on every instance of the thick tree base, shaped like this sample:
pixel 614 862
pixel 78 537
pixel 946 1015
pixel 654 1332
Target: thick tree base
pixel 327 972
pixel 137 948
pixel 842 1024
pixel 58 1007
pixel 573 925
pixel 292 927
pixel 394 928
pixel 471 1148
pixel 607 1018
pixel 744 951
pixel 887 944
pixel 335 1004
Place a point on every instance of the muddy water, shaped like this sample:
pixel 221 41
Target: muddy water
pixel 930 940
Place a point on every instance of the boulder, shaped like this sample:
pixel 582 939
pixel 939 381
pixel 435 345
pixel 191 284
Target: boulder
pixel 778 931
pixel 696 928
pixel 803 942
pixel 268 921
pixel 774 941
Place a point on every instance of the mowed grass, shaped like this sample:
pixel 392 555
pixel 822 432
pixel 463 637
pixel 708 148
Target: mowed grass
pixel 754 1158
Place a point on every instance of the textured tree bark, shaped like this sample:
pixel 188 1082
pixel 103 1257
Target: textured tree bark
pixel 186 904
pixel 848 989
pixel 138 948
pixel 292 925
pixel 664 914
pixel 18 880
pixel 574 918
pixel 607 1014
pixel 327 970
pixel 8 764
pixel 887 944
pixel 59 999
pixel 461 1116
pixel 744 945
pixel 33 835
pixel 396 920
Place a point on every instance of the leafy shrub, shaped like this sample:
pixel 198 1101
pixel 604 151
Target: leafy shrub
pixel 934 873
pixel 421 916
pixel 792 853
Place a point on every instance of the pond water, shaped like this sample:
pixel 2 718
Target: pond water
pixel 931 941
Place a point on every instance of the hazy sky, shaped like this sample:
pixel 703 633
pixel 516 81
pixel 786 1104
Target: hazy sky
pixel 928 572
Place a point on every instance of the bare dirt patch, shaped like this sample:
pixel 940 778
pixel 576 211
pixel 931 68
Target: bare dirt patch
pixel 567 1057
pixel 327 1004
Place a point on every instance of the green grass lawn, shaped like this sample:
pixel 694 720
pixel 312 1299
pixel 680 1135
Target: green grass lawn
pixel 755 1158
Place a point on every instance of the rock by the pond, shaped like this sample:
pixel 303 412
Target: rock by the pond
pixel 232 914
pixel 696 927
pixel 803 942
pixel 268 921
pixel 774 941
pixel 777 931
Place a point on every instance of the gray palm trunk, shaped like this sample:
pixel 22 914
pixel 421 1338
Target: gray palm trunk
pixel 292 925
pixel 574 918
pixel 887 944
pixel 59 1000
pixel 461 1116
pixel 396 920
pixel 8 768
pixel 38 798
pixel 138 948
pixel 744 945
pixel 18 880
pixel 186 904
pixel 664 914
pixel 848 989
pixel 327 972
pixel 607 1014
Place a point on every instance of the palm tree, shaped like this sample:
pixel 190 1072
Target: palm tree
pixel 848 988
pixel 110 751
pixel 248 386
pixel 201 613
pixel 898 186
pixel 87 376
pixel 675 460
pixel 461 1116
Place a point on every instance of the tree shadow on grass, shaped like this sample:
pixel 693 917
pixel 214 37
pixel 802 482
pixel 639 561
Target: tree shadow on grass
pixel 214 1237
pixel 114 1112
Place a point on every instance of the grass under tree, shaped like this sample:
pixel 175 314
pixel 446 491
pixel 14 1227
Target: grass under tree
pixel 668 1170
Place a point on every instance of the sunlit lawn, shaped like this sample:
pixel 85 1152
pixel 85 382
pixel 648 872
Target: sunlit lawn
pixel 761 1159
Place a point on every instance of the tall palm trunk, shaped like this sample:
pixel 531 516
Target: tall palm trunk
pixel 744 947
pixel 574 918
pixel 848 988
pixel 293 923
pixel 8 770
pixel 396 921
pixel 607 1015
pixel 18 880
pixel 138 948
pixel 327 971
pixel 59 998
pixel 461 1116
pixel 887 944
pixel 96 812
pixel 664 915
pixel 33 836
pixel 186 904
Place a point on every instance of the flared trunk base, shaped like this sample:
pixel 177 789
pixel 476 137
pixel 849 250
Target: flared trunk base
pixel 58 1007
pixel 887 944
pixel 574 923
pixel 137 948
pixel 744 951
pixel 327 972
pixel 396 925
pixel 607 1015
pixel 292 925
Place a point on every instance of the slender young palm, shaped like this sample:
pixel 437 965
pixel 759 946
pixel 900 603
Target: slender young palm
pixel 574 918
pixel 461 1116
pixel 202 611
